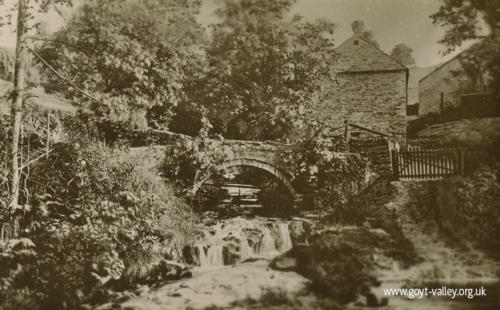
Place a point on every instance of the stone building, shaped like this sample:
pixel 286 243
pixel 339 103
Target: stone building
pixel 448 85
pixel 370 90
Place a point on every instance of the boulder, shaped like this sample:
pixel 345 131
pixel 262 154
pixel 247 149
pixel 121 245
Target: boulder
pixel 191 255
pixel 231 253
pixel 339 263
pixel 166 270
pixel 284 263
pixel 299 231
pixel 254 237
pixel 372 300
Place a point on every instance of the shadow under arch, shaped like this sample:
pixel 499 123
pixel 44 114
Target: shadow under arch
pixel 259 164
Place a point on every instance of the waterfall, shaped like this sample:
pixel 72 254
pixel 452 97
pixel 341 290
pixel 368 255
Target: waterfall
pixel 286 241
pixel 245 250
pixel 215 256
pixel 242 239
pixel 268 243
pixel 203 255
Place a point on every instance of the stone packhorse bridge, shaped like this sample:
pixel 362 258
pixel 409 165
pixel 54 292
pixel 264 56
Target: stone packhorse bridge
pixel 265 156
pixel 260 155
pixel 241 153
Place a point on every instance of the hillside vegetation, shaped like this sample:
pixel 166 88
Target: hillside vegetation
pixel 44 101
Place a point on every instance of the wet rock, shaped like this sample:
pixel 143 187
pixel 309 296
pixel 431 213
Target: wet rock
pixel 166 270
pixel 254 237
pixel 372 300
pixel 186 274
pixel 191 255
pixel 299 231
pixel 231 253
pixel 284 263
pixel 338 262
pixel 359 303
pixel 210 222
pixel 142 290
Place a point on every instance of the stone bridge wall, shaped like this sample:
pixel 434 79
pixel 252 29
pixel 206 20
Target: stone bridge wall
pixel 265 156
pixel 262 151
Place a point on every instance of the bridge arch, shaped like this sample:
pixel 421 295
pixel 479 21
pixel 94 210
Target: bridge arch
pixel 259 164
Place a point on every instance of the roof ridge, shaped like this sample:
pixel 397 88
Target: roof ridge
pixel 441 65
pixel 380 50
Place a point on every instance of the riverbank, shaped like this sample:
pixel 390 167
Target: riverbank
pixel 390 238
pixel 339 261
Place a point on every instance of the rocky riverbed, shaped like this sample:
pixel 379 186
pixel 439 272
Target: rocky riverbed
pixel 299 263
pixel 231 265
pixel 220 287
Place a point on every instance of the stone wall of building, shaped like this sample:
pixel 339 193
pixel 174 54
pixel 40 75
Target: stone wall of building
pixel 446 80
pixel 376 100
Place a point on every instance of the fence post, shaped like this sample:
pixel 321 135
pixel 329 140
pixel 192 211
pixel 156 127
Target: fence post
pixel 461 161
pixel 395 165
pixel 346 135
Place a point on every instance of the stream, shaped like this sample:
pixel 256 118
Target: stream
pixel 232 258
pixel 231 270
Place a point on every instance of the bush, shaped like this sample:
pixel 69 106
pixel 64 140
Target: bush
pixel 468 207
pixel 193 161
pixel 95 220
pixel 321 165
pixel 340 263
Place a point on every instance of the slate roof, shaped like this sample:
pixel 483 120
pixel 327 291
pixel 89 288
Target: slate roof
pixel 358 55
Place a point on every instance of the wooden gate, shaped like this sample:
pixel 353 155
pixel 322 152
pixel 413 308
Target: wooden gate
pixel 426 163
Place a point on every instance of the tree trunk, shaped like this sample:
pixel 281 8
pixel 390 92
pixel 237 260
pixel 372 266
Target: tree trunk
pixel 17 104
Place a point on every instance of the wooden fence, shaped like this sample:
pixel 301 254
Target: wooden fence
pixel 426 163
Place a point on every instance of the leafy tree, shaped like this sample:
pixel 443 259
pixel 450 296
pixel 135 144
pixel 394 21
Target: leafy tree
pixel 24 16
pixel 402 54
pixel 358 27
pixel 190 162
pixel 264 67
pixel 463 21
pixel 133 55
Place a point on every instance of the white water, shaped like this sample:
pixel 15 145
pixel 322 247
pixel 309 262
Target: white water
pixel 246 251
pixel 238 239
pixel 213 256
pixel 268 244
pixel 286 241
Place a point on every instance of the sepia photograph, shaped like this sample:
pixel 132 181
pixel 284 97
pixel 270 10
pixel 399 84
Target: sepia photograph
pixel 249 154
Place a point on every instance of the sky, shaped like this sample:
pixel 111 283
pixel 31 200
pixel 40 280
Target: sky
pixel 392 22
